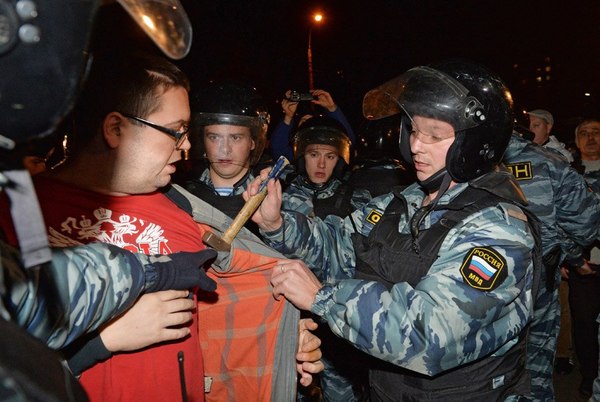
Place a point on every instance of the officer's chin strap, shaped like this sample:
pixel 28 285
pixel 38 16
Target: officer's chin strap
pixel 27 217
pixel 434 182
pixel 418 217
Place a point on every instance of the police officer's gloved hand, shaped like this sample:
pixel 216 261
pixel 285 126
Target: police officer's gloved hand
pixel 179 271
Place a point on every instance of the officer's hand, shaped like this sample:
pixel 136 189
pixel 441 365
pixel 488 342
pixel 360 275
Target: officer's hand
pixel 183 270
pixel 324 99
pixel 293 280
pixel 309 352
pixel 155 317
pixel 268 214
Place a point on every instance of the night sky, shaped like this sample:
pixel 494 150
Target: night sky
pixel 364 43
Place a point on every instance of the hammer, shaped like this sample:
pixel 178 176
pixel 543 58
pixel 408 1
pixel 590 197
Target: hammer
pixel 224 243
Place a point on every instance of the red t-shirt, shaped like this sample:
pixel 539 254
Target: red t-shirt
pixel 149 224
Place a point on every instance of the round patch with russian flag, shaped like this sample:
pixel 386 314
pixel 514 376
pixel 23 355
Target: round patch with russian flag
pixel 483 268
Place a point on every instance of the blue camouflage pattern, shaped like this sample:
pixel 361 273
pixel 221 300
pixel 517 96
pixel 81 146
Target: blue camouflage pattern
pixel 80 289
pixel 442 322
pixel 569 214
pixel 593 179
pixel 298 196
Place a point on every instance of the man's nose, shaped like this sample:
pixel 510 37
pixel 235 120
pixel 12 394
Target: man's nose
pixel 186 145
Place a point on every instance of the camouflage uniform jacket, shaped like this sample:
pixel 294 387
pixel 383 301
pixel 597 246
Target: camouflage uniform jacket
pixel 557 195
pixel 592 177
pixel 299 195
pixel 443 321
pixel 569 216
pixel 79 290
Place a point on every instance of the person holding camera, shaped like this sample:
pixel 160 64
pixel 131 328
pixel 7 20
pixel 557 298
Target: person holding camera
pixel 280 143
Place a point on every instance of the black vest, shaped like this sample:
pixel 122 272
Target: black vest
pixel 389 257
pixel 229 205
pixel 340 203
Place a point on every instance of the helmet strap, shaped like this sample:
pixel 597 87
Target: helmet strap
pixel 433 182
pixel 418 217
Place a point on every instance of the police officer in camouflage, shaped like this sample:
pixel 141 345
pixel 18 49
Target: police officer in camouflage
pixel 322 155
pixel 569 217
pixel 229 133
pixel 443 270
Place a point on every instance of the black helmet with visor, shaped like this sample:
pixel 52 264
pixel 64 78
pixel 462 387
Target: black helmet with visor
pixel 322 130
pixel 229 104
pixel 474 101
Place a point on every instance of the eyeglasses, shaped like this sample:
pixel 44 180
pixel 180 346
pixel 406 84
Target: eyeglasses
pixel 179 136
pixel 429 137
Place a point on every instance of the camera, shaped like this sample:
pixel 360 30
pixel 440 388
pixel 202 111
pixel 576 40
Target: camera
pixel 296 96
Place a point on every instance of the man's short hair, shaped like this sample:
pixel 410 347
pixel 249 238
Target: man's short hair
pixel 126 82
pixel 542 114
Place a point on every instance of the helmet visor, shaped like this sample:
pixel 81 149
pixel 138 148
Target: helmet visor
pixel 259 123
pixel 426 92
pixel 165 22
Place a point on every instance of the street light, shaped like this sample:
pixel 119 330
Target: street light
pixel 316 18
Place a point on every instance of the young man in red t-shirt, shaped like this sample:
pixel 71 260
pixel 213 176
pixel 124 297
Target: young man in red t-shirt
pixel 130 126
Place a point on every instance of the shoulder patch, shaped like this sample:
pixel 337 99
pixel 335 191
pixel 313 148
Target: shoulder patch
pixel 483 268
pixel 521 170
pixel 374 217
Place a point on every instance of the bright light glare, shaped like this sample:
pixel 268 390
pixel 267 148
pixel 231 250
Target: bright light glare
pixel 587 94
pixel 318 17
pixel 148 22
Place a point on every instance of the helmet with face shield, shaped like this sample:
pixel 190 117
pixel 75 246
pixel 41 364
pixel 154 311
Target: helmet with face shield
pixel 379 140
pixel 44 53
pixel 229 104
pixel 323 130
pixel 474 101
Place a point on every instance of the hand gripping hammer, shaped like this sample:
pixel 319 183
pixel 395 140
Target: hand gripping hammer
pixel 224 243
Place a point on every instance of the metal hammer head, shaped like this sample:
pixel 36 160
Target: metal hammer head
pixel 216 242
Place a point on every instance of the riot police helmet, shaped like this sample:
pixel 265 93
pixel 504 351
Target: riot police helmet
pixel 232 104
pixel 325 130
pixel 379 140
pixel 473 100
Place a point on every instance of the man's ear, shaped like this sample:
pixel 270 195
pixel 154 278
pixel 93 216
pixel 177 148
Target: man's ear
pixel 111 129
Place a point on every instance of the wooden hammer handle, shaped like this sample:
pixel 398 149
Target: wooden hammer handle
pixel 242 217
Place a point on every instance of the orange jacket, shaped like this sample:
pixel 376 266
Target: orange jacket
pixel 248 339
